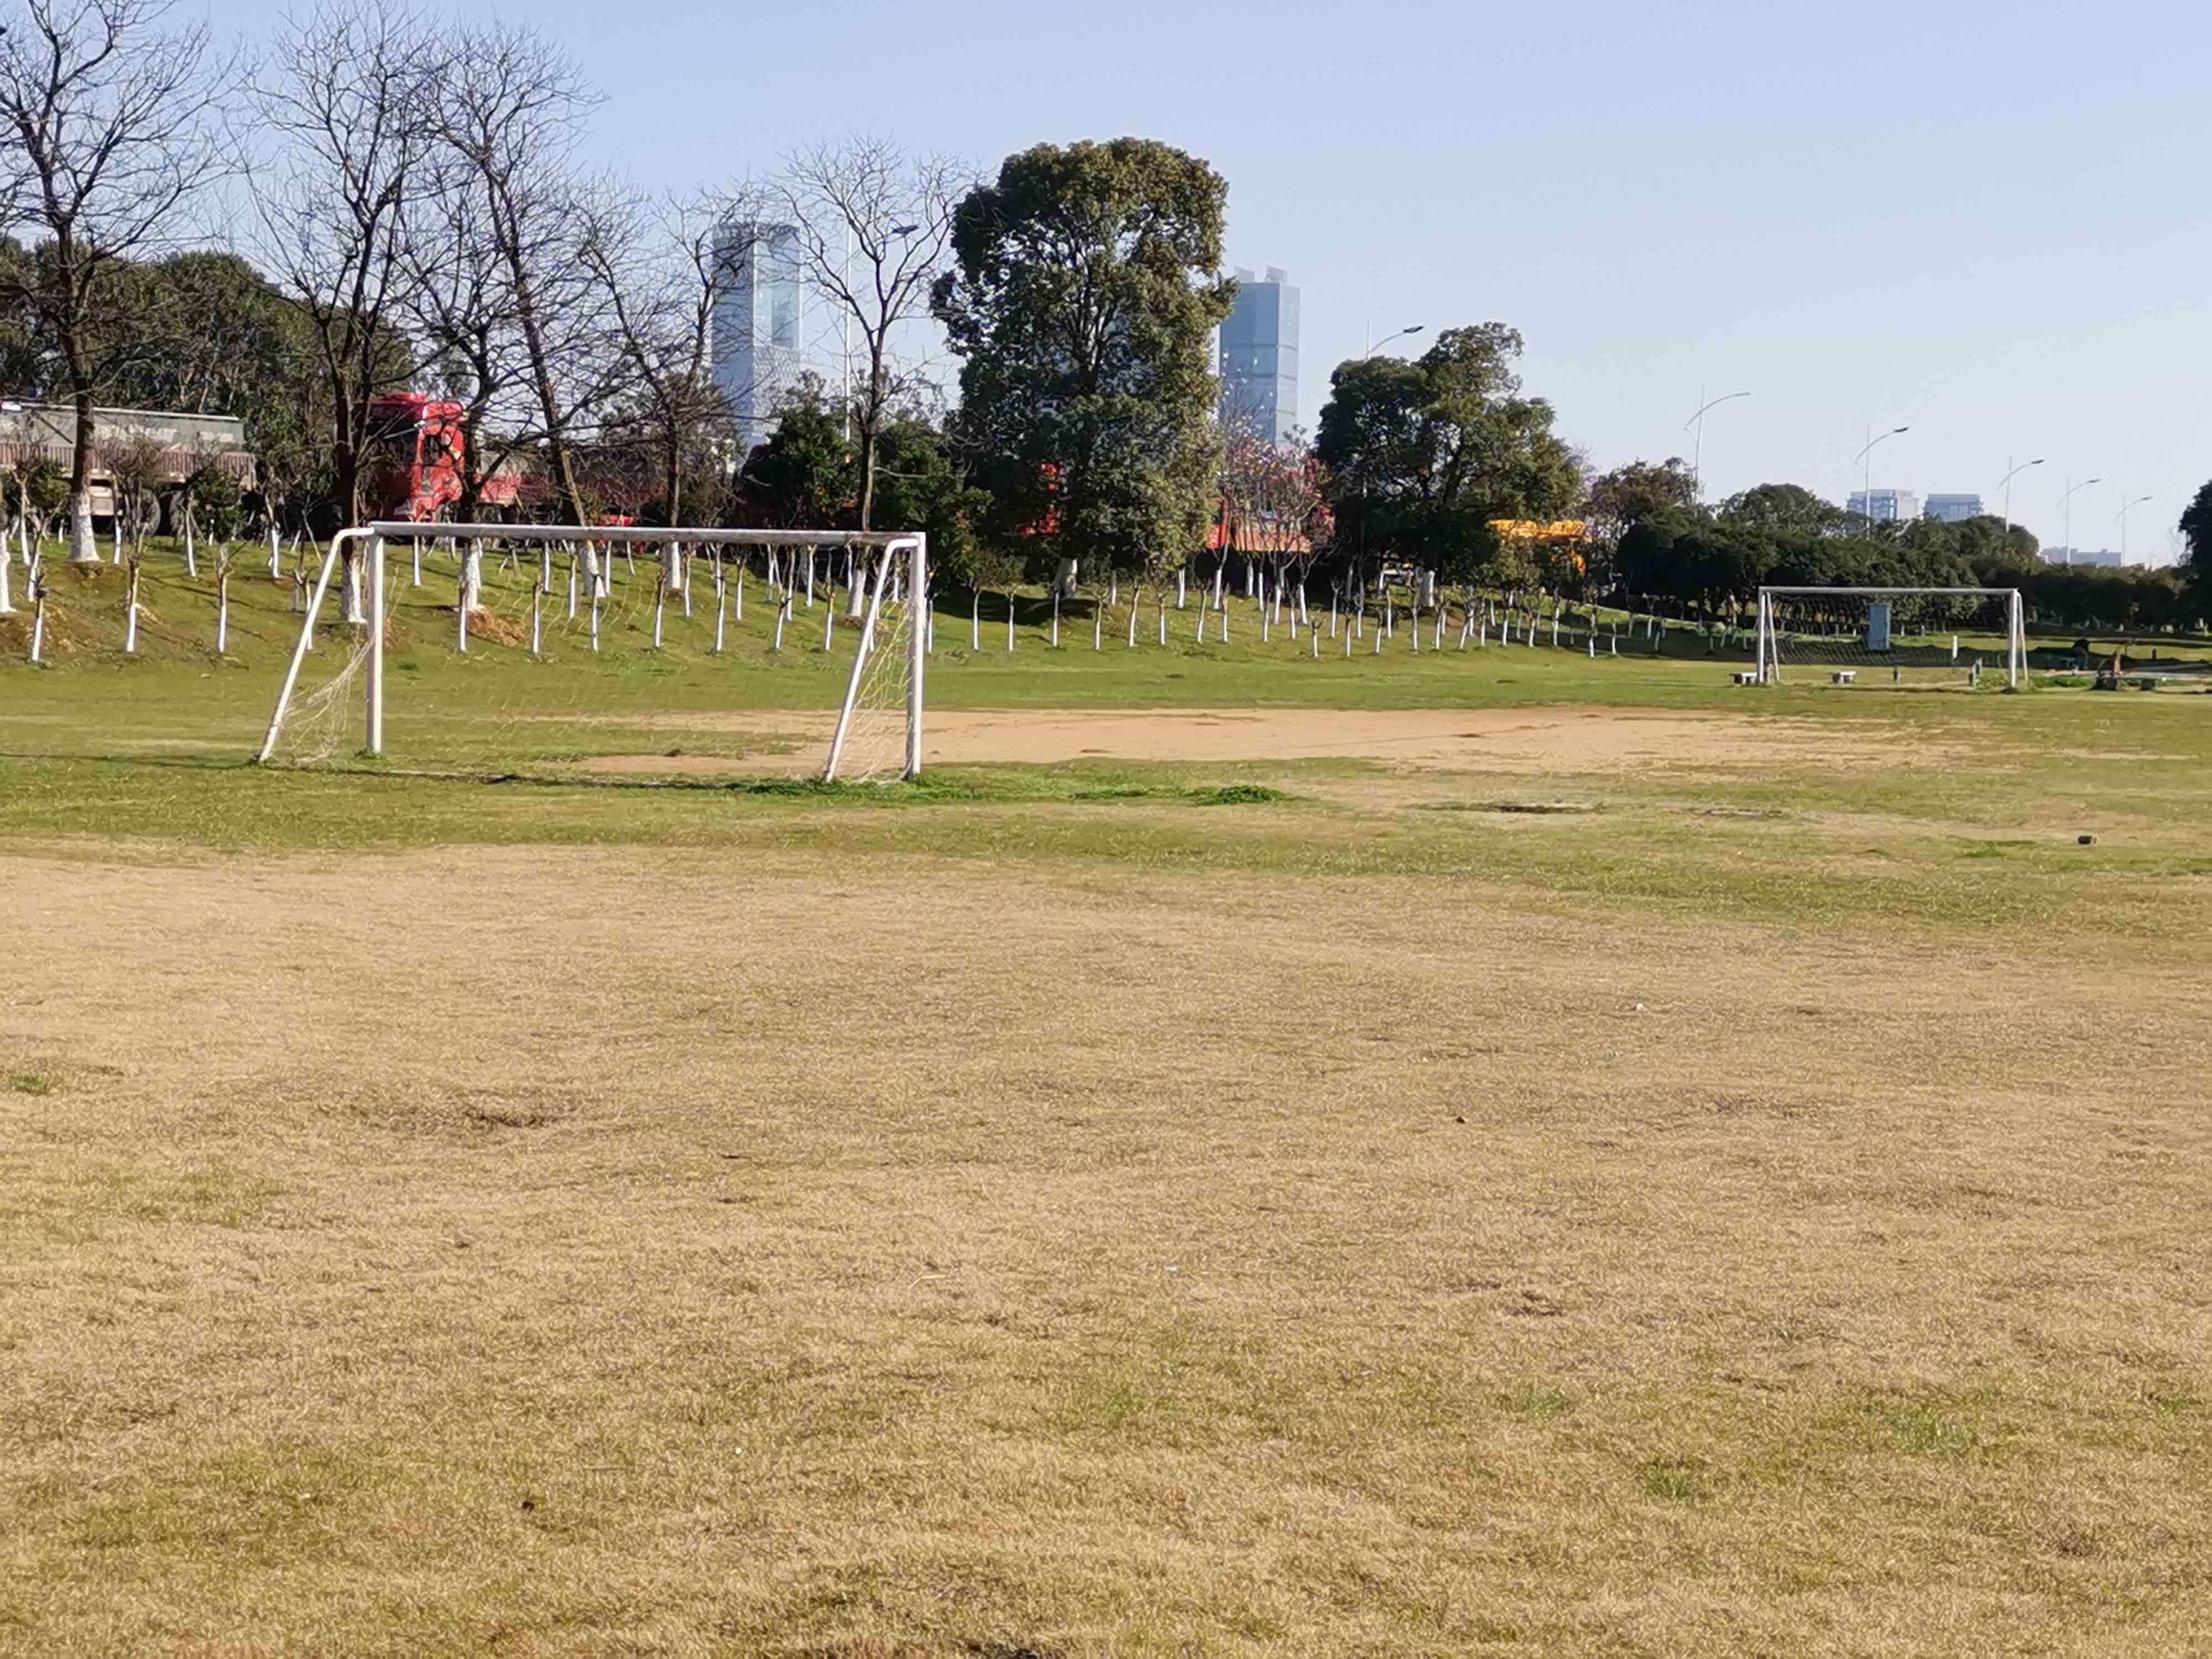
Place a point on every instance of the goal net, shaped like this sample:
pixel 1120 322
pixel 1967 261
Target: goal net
pixel 499 648
pixel 1959 636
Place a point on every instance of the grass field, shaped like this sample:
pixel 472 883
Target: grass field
pixel 1262 1201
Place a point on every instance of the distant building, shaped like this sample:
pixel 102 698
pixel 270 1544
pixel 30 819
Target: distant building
pixel 2103 557
pixel 162 446
pixel 757 355
pixel 1886 505
pixel 1260 355
pixel 1952 510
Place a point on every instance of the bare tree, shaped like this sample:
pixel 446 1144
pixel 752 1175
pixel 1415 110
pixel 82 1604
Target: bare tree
pixel 348 98
pixel 875 225
pixel 510 111
pixel 112 118
pixel 663 305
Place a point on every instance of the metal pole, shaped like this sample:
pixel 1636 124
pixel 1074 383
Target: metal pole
pixel 917 652
pixel 375 745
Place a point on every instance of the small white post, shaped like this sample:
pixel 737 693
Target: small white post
pixel 721 613
pixel 810 578
pixel 38 619
pixel 131 612
pixel 414 578
pixel 275 553
pixel 536 627
pixel 741 592
pixel 829 627
pixel 595 616
pixel 461 622
pixel 191 562
pixel 1097 628
pixel 1010 622
pixel 1163 614
pixel 660 606
pixel 1055 618
pixel 1133 620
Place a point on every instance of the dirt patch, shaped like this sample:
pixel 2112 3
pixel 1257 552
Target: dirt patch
pixel 1570 739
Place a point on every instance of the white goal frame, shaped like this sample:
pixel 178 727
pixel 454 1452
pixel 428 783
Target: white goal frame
pixel 1769 661
pixel 912 546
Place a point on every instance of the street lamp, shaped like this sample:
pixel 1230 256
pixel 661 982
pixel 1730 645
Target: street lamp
pixel 2125 506
pixel 1866 489
pixel 2066 506
pixel 1698 419
pixel 2005 483
pixel 1410 328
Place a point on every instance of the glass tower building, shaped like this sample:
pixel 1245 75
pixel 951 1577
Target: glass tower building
pixel 1260 355
pixel 757 354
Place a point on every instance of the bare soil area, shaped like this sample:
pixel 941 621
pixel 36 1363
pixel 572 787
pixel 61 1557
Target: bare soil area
pixel 1536 740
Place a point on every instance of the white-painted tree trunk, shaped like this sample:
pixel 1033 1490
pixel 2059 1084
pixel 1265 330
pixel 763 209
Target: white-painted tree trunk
pixel 470 589
pixel 1056 617
pixel 1181 587
pixel 537 621
pixel 975 622
pixel 192 559
pixel 38 622
pixel 782 611
pixel 7 597
pixel 660 606
pixel 810 578
pixel 130 614
pixel 222 607
pixel 350 586
pixel 1010 622
pixel 275 552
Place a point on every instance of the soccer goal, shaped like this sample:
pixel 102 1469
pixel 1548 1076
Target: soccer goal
pixel 1891 635
pixel 560 591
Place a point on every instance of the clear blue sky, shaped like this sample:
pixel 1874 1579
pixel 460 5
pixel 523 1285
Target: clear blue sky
pixel 1985 221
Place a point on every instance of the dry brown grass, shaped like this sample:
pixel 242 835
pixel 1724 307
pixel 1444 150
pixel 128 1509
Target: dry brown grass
pixel 570 1251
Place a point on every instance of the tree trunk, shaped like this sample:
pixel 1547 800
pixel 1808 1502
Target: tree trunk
pixel 472 586
pixel 84 547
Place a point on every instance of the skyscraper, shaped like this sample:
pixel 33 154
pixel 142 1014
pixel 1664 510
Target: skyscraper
pixel 1260 355
pixel 1952 510
pixel 1885 506
pixel 757 355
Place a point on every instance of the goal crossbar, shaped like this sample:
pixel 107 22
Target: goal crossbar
pixel 374 535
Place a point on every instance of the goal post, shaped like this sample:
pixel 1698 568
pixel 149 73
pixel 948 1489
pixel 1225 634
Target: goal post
pixel 884 688
pixel 1939 636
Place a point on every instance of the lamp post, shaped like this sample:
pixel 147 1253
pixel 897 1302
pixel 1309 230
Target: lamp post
pixel 2066 506
pixel 1410 328
pixel 2006 485
pixel 2125 506
pixel 1866 487
pixel 1698 419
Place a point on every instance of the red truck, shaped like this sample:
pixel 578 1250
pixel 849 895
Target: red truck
pixel 415 450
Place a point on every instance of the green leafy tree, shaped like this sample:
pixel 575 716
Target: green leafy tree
pixel 1629 494
pixel 1782 509
pixel 921 485
pixel 2196 528
pixel 1082 303
pixel 1423 456
pixel 803 476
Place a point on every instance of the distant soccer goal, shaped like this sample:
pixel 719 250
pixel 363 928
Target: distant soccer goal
pixel 567 584
pixel 1891 636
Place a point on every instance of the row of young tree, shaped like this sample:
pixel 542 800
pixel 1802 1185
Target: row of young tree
pixel 420 219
